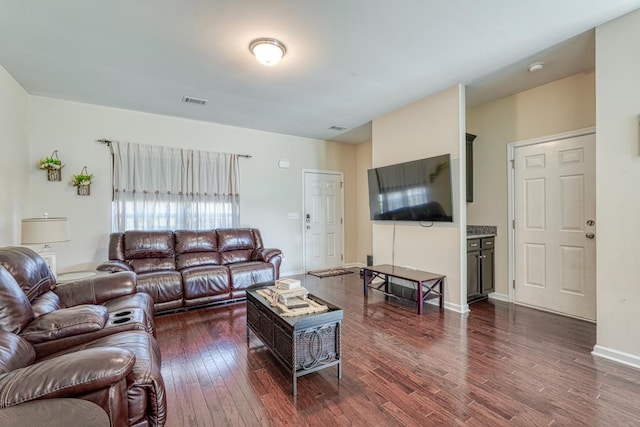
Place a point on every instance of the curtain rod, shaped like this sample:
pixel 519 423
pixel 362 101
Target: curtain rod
pixel 108 144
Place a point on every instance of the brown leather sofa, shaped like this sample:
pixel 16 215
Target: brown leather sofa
pixel 189 268
pixel 91 339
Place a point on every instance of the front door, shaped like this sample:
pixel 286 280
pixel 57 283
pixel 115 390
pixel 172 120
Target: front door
pixel 555 226
pixel 322 220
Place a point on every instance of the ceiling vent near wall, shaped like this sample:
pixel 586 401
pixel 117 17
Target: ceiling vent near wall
pixel 193 100
pixel 339 128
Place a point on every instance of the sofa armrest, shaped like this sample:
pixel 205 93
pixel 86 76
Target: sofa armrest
pixel 114 266
pixel 97 290
pixel 66 322
pixel 266 254
pixel 69 375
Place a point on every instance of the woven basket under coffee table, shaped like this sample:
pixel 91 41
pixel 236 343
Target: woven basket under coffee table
pixel 302 344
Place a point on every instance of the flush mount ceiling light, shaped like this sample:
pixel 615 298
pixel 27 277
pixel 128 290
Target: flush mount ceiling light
pixel 536 66
pixel 267 51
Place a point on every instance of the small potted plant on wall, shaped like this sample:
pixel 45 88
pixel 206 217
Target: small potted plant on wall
pixel 53 166
pixel 82 182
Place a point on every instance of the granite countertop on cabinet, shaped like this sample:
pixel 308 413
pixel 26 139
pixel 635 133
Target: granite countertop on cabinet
pixel 479 231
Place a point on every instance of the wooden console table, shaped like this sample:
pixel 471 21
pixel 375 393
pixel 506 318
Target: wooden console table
pixel 428 285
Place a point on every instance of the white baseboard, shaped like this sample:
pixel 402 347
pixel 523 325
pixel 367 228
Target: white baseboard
pixel 291 273
pixel 354 264
pixel 617 356
pixel 450 306
pixel 462 309
pixel 499 297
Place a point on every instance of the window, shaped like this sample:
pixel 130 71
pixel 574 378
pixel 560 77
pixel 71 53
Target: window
pixel 163 188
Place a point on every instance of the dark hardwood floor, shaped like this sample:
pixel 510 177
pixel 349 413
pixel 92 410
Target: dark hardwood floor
pixel 499 365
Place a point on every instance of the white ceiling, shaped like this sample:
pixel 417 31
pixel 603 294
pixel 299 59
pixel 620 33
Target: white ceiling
pixel 347 62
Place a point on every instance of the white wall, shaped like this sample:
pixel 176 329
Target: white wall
pixel 429 127
pixel 617 188
pixel 14 160
pixel 561 106
pixel 268 193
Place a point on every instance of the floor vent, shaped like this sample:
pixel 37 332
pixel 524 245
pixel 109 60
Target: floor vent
pixel 193 100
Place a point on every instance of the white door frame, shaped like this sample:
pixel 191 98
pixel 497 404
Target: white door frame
pixel 304 229
pixel 511 150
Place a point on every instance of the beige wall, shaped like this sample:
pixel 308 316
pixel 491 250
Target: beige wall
pixel 617 188
pixel 429 127
pixel 364 224
pixel 557 107
pixel 268 193
pixel 14 161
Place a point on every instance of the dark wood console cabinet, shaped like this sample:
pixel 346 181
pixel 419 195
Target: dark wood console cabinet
pixel 480 268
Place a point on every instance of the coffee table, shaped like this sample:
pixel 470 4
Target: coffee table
pixel 302 344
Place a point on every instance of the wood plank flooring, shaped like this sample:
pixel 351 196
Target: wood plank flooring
pixel 500 365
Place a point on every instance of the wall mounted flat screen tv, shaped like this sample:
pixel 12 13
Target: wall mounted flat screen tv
pixel 419 190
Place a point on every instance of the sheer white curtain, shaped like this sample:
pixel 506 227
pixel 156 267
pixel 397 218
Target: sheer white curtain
pixel 165 188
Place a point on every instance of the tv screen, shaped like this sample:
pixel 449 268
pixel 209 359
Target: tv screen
pixel 419 190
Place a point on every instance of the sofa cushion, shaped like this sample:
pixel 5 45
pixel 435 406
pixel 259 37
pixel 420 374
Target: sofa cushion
pixel 232 239
pixel 116 246
pixel 245 274
pixel 146 265
pixel 15 308
pixel 66 322
pixel 233 257
pixel 28 269
pixel 148 244
pixel 195 248
pixel 188 241
pixel 163 286
pixel 205 281
pixel 15 352
pixel 45 303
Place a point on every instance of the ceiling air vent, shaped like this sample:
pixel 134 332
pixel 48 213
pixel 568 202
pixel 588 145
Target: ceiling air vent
pixel 337 128
pixel 193 100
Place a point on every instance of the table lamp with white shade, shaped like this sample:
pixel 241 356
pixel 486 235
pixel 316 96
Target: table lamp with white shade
pixel 44 231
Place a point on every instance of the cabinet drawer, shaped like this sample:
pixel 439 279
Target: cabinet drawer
pixel 487 243
pixel 473 244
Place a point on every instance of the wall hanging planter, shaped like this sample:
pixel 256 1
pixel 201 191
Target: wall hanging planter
pixel 82 182
pixel 53 166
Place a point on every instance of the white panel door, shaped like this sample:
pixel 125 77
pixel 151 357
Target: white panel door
pixel 322 220
pixel 555 226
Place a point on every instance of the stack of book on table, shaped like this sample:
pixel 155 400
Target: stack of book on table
pixel 291 298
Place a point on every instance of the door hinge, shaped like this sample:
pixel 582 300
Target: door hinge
pixel 340 220
pixel 513 163
pixel 341 257
pixel 514 283
pixel 341 184
pixel 513 223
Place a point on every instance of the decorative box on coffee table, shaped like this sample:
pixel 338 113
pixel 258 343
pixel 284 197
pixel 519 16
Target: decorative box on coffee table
pixel 302 344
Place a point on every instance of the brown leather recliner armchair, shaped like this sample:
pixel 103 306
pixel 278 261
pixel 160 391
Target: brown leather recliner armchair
pixel 98 375
pixel 76 322
pixel 52 317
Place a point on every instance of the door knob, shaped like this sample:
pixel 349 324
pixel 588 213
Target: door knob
pixel 591 223
pixel 590 235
